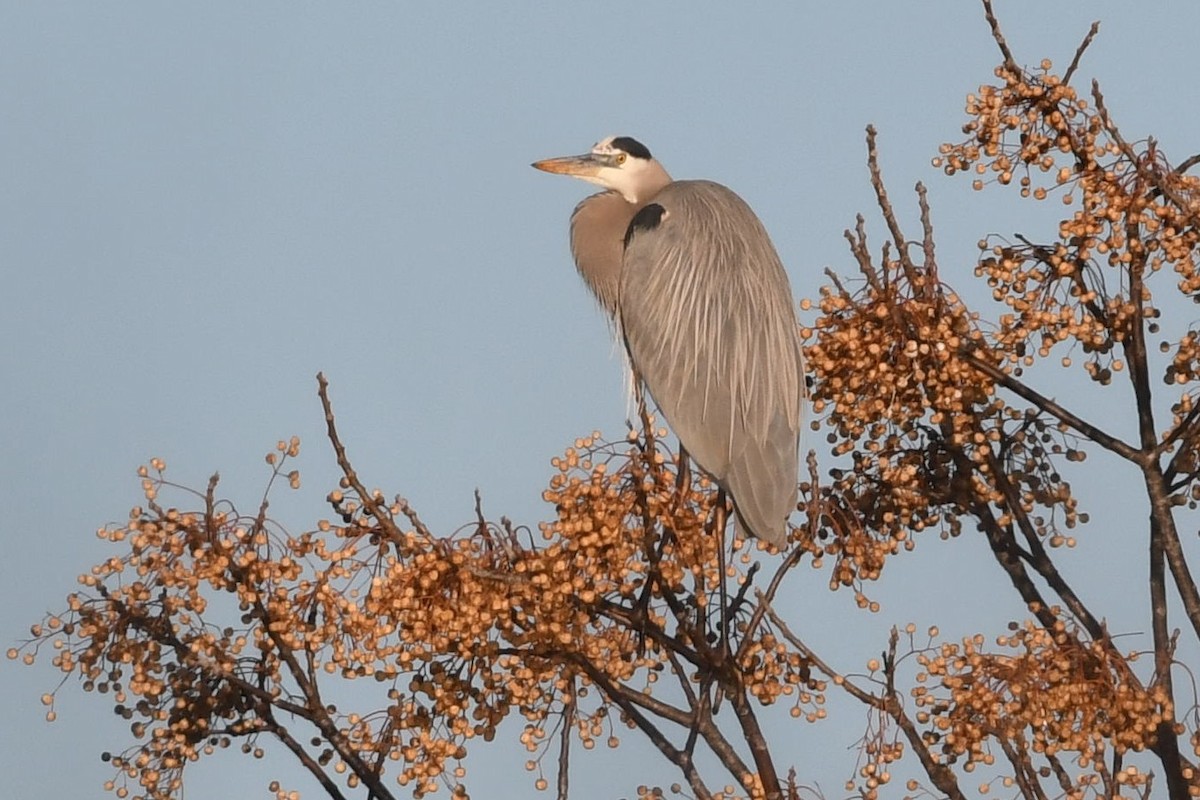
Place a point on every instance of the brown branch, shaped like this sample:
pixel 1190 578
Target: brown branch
pixel 1087 41
pixel 1005 550
pixel 409 513
pixel 1147 172
pixel 885 207
pixel 312 713
pixel 753 734
pixel 634 620
pixel 855 691
pixel 1165 535
pixel 317 713
pixel 763 607
pixel 721 747
pixel 302 755
pixel 747 582
pixel 1186 427
pixel 368 500
pixel 941 775
pixel 655 706
pixel 1106 777
pixel 927 243
pixel 1064 780
pixel 1045 255
pixel 320 717
pixel 689 693
pixel 1086 429
pixel 837 282
pixel 699 720
pixel 1134 344
pixel 998 36
pixel 858 247
pixel 1023 772
pixel 163 634
pixel 564 744
pixel 1040 560
pixel 711 733
pixel 618 695
pixel 1166 745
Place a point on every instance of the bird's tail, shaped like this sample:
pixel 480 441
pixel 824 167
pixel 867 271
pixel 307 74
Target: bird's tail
pixel 776 533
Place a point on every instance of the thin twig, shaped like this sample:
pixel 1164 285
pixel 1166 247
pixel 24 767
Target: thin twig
pixel 1095 305
pixel 1023 772
pixel 927 245
pixel 858 693
pixel 793 558
pixel 632 619
pixel 862 254
pixel 1086 429
pixel 998 36
pixel 306 760
pixel 1087 41
pixel 833 276
pixel 1040 560
pixel 1146 171
pixel 753 734
pixel 885 207
pixel 1064 780
pixel 1186 427
pixel 368 500
pixel 564 743
pixel 619 695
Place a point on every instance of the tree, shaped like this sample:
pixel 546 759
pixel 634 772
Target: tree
pixel 631 610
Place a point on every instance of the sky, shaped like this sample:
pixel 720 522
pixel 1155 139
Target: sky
pixel 202 205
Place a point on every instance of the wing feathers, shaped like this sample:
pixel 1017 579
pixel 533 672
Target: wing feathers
pixel 708 318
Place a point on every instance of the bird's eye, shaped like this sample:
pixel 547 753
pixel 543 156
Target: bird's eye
pixel 621 158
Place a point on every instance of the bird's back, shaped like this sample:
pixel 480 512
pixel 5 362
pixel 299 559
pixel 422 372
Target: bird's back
pixel 707 314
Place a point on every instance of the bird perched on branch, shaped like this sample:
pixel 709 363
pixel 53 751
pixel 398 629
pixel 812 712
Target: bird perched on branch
pixel 704 307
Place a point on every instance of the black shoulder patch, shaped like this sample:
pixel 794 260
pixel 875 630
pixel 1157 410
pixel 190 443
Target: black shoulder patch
pixel 646 219
pixel 632 146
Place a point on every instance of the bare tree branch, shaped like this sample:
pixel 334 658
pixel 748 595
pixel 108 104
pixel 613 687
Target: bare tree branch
pixel 1051 407
pixel 1087 41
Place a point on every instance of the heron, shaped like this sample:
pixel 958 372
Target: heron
pixel 703 305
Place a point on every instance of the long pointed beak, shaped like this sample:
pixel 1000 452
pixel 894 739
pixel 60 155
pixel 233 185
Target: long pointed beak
pixel 580 166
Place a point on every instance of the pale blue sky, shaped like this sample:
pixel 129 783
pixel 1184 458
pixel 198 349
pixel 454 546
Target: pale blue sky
pixel 202 206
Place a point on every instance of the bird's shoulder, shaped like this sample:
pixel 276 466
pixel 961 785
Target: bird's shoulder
pixel 699 212
pixel 697 190
pixel 705 204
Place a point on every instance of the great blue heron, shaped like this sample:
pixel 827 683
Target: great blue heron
pixel 703 304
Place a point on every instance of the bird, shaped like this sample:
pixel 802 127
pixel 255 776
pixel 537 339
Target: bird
pixel 702 302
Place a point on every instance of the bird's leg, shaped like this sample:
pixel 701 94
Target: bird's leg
pixel 652 545
pixel 683 477
pixel 641 613
pixel 643 414
pixel 720 522
pixel 654 553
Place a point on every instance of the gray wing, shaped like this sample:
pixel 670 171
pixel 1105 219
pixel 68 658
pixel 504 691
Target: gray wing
pixel 708 318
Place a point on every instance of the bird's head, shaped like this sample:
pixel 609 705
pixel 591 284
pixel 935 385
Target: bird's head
pixel 619 163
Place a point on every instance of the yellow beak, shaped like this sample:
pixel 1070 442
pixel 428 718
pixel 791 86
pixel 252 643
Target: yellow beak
pixel 580 166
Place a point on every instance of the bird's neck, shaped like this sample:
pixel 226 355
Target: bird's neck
pixel 653 181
